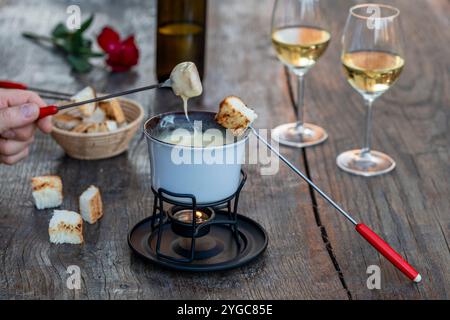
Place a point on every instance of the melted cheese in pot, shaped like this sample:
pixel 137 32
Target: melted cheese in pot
pixel 196 139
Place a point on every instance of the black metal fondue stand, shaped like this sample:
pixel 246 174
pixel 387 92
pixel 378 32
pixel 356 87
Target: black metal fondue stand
pixel 218 238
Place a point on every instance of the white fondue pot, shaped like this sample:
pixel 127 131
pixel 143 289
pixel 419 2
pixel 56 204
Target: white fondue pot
pixel 209 181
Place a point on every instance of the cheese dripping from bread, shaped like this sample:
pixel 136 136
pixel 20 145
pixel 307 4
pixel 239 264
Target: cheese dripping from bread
pixel 235 115
pixel 186 83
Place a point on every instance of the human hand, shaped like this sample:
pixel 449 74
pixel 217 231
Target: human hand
pixel 19 111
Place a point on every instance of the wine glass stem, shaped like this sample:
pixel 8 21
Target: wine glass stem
pixel 368 137
pixel 300 101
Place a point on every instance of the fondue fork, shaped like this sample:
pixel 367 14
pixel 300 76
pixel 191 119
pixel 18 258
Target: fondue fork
pixel 53 109
pixel 6 84
pixel 379 244
pixel 57 98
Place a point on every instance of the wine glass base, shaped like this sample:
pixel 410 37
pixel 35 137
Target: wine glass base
pixel 367 165
pixel 307 136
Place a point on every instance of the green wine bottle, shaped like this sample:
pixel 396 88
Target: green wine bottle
pixel 181 35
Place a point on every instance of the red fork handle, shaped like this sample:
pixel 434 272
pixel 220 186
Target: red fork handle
pixel 393 256
pixel 12 85
pixel 47 111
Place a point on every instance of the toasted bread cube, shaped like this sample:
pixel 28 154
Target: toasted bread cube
pixel 47 192
pixel 98 116
pixel 82 128
pixel 87 93
pixel 111 125
pixel 235 115
pixel 103 127
pixel 123 125
pixel 97 128
pixel 113 110
pixel 66 121
pixel 91 205
pixel 93 128
pixel 66 227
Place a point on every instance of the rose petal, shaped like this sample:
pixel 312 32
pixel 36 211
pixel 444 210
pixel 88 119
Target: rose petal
pixel 108 38
pixel 115 54
pixel 129 41
pixel 130 54
pixel 122 55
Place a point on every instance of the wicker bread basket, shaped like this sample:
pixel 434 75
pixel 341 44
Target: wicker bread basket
pixel 95 146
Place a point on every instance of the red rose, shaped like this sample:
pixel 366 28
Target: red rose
pixel 122 55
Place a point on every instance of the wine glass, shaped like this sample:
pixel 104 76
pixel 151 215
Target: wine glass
pixel 373 60
pixel 300 37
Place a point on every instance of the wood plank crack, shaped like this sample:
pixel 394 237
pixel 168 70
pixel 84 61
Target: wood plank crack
pixel 323 230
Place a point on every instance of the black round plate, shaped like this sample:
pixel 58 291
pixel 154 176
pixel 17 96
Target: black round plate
pixel 253 241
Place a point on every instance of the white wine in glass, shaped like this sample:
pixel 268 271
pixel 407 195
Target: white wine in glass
pixel 300 38
pixel 300 47
pixel 372 73
pixel 373 61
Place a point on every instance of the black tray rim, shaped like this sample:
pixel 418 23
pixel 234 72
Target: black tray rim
pixel 187 268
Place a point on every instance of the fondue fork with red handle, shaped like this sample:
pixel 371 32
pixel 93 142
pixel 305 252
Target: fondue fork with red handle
pixel 6 84
pixel 379 244
pixel 53 109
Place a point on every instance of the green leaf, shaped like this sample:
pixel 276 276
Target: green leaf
pixel 85 25
pixel 87 43
pixel 60 31
pixel 79 64
pixel 59 43
pixel 65 46
pixel 76 42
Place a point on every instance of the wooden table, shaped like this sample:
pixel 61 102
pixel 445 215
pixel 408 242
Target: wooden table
pixel 313 252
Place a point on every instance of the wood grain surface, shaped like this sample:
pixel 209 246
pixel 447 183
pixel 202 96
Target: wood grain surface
pixel 313 253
